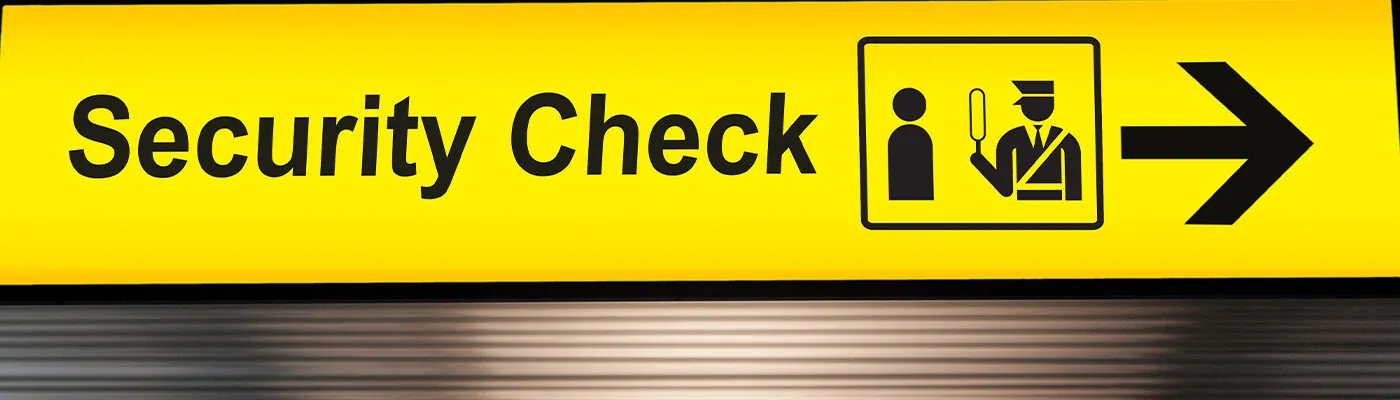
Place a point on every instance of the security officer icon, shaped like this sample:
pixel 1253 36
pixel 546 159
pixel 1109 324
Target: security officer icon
pixel 910 150
pixel 1035 161
pixel 1037 140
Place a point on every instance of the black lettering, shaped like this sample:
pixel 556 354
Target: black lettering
pixel 121 150
pixel 330 135
pixel 206 147
pixel 400 123
pixel 370 158
pixel 716 144
pixel 597 127
pixel 445 161
pixel 659 144
pixel 147 148
pixel 519 140
pixel 781 141
pixel 297 164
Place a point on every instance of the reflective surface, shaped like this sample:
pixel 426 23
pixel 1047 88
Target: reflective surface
pixel 711 350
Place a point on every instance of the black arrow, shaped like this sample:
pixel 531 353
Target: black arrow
pixel 1268 143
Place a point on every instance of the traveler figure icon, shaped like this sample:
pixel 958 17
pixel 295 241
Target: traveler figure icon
pixel 1035 162
pixel 910 150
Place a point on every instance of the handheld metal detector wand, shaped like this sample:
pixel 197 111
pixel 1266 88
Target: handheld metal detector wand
pixel 974 97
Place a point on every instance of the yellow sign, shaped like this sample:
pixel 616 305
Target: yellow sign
pixel 698 141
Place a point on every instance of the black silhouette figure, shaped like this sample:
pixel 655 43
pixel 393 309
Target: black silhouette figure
pixel 1035 155
pixel 911 150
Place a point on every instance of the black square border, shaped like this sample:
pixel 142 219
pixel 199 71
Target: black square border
pixel 1098 130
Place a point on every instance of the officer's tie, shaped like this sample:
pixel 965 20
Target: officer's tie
pixel 1038 144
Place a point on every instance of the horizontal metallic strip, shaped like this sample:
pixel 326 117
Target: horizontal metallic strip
pixel 995 349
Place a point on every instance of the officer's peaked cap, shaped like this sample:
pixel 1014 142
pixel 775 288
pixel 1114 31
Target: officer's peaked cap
pixel 1035 88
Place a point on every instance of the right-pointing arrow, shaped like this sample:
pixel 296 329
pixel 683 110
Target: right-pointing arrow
pixel 1268 142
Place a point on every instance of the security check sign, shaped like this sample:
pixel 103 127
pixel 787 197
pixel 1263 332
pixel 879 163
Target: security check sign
pixel 697 141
